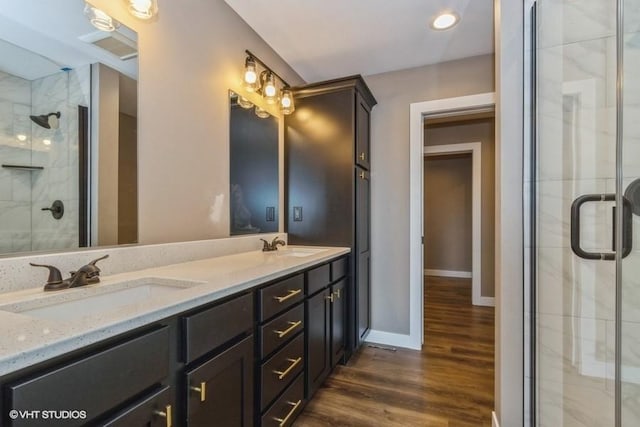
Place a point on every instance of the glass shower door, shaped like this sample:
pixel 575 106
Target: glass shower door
pixel 585 185
pixel 574 182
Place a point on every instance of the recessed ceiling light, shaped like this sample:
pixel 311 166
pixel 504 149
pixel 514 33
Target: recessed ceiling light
pixel 444 21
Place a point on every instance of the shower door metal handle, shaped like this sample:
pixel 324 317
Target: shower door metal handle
pixel 575 227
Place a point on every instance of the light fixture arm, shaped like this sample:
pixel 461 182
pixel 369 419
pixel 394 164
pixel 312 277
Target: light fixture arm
pixel 266 67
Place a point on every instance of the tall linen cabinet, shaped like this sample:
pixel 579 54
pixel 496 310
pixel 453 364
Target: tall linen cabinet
pixel 327 182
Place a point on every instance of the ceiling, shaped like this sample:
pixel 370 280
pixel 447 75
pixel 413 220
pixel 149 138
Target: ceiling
pixel 323 39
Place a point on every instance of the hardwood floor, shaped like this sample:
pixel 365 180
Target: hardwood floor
pixel 448 383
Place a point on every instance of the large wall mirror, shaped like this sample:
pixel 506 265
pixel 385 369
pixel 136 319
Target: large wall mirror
pixel 254 176
pixel 68 129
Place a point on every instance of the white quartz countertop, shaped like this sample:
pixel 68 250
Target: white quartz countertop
pixel 26 340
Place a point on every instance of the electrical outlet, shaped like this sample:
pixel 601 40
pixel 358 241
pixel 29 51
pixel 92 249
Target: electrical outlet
pixel 297 213
pixel 271 213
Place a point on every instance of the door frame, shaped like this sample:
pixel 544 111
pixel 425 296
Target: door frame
pixel 475 149
pixel 448 107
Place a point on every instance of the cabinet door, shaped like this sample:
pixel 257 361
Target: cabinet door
pixel 364 298
pixel 363 121
pixel 362 211
pixel 338 321
pixel 220 391
pixel 318 340
pixel 156 410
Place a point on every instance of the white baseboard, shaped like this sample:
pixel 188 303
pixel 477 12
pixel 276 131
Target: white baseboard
pixel 448 273
pixel 485 301
pixel 391 339
pixel 494 420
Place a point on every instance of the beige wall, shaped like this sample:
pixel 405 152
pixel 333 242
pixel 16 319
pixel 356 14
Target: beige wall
pixel 395 91
pixel 448 213
pixel 108 105
pixel 189 58
pixel 483 131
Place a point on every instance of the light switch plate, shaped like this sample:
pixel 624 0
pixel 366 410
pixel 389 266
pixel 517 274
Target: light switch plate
pixel 297 213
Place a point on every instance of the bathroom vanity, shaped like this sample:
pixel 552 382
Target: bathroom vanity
pixel 242 339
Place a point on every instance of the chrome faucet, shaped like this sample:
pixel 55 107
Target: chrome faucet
pixel 86 275
pixel 273 246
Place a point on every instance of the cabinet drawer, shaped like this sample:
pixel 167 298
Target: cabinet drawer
pixel 156 410
pixel 211 328
pixel 338 269
pixel 280 369
pixel 96 383
pixel 318 278
pixel 279 296
pixel 285 410
pixel 281 329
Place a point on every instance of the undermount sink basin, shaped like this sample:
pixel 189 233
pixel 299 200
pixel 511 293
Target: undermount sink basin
pixel 72 304
pixel 300 252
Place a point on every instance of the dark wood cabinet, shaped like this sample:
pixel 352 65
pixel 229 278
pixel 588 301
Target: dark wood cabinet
pixel 318 340
pixel 363 126
pixel 94 383
pixel 220 391
pixel 253 357
pixel 327 182
pixel 338 321
pixel 155 410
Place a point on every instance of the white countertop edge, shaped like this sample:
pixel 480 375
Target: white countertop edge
pixel 71 336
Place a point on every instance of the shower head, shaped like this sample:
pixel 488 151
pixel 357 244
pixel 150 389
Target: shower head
pixel 47 121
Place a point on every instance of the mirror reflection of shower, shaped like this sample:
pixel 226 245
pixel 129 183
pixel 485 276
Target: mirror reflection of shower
pixel 47 121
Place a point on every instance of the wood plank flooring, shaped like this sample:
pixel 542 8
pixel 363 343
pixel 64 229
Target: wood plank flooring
pixel 447 384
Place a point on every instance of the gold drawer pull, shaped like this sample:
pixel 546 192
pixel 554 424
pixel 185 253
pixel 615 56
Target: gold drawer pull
pixel 337 292
pixel 362 175
pixel 362 156
pixel 202 390
pixel 165 414
pixel 283 421
pixel 289 329
pixel 294 363
pixel 292 293
pixel 330 298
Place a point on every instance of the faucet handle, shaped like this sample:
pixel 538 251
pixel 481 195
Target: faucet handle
pixel 98 259
pixel 266 246
pixel 54 281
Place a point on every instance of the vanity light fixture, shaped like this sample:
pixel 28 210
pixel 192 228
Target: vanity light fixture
pixel 244 102
pixel 286 101
pixel 265 83
pixel 269 90
pixel 250 74
pixel 100 19
pixel 445 20
pixel 143 9
pixel 261 112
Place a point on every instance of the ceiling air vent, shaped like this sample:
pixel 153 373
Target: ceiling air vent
pixel 118 43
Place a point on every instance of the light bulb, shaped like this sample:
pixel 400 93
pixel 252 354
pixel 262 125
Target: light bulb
pixel 445 21
pixel 100 19
pixel 250 74
pixel 46 141
pixel 269 90
pixel 143 9
pixel 261 112
pixel 21 137
pixel 286 102
pixel 244 102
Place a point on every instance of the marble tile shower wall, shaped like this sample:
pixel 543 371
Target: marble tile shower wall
pixel 15 148
pixel 59 180
pixel 576 156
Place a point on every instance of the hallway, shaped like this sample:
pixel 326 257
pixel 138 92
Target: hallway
pixel 448 383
